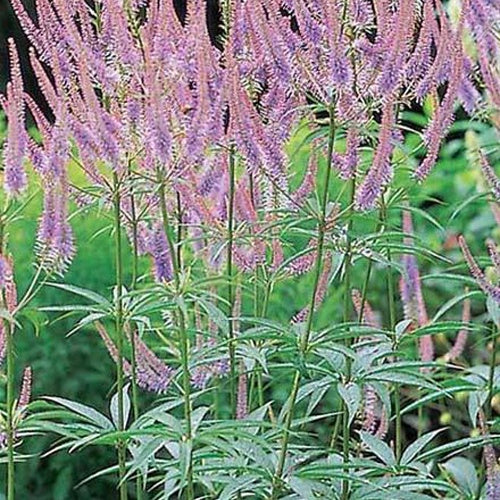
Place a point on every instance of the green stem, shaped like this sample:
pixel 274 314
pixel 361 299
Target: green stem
pixel 365 291
pixel 392 326
pixel 336 430
pixel 346 431
pixel 304 341
pixel 10 412
pixel 179 231
pixel 119 334
pixel 420 419
pixel 135 267
pixel 226 8
pixel 491 378
pixel 168 231
pixel 263 313
pixel 230 288
pixel 265 302
pixel 369 273
pixel 181 323
pixel 9 340
pixel 186 383
pixel 227 16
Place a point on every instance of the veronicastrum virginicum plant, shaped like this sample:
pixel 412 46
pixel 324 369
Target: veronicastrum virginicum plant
pixel 182 138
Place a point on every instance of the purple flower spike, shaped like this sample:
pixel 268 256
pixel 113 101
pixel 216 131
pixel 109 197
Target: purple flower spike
pixel 411 293
pixel 242 399
pixel 158 248
pixel 16 146
pixel 151 373
pixel 490 176
pixel 25 394
pixel 461 340
pixel 3 345
pixel 380 172
pixel 487 287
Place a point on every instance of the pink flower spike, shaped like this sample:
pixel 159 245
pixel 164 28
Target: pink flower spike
pixel 484 284
pixel 25 394
pixel 490 176
pixel 369 317
pixel 494 254
pixel 242 397
pixel 461 340
pixel 17 141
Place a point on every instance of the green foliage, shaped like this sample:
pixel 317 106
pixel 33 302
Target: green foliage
pixel 76 367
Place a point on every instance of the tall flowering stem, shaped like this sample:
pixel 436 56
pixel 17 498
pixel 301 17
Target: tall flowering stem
pixel 119 332
pixel 304 341
pixel 9 352
pixel 346 316
pixel 8 298
pixel 493 365
pixel 181 324
pixel 135 272
pixel 230 288
pixel 392 325
pixel 10 411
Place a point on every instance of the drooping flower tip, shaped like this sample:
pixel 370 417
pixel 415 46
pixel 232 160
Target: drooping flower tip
pixel 305 189
pixel 490 176
pixel 200 376
pixel 494 254
pixel 380 173
pixel 152 373
pixel 302 264
pixel 477 273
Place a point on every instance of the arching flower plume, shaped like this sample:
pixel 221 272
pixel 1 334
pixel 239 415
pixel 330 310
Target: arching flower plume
pixel 443 116
pixel 490 176
pixel 321 290
pixel 380 172
pixel 489 288
pixel 151 373
pixel 461 339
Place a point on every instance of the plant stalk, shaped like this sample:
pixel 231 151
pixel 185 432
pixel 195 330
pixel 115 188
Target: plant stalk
pixel 392 326
pixel 230 287
pixel 10 413
pixel 304 341
pixel 346 431
pixel 181 323
pixel 119 334
pixel 9 340
pixel 135 272
pixel 491 378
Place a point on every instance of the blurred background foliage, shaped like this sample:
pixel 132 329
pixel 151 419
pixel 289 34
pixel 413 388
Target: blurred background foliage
pixel 79 368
